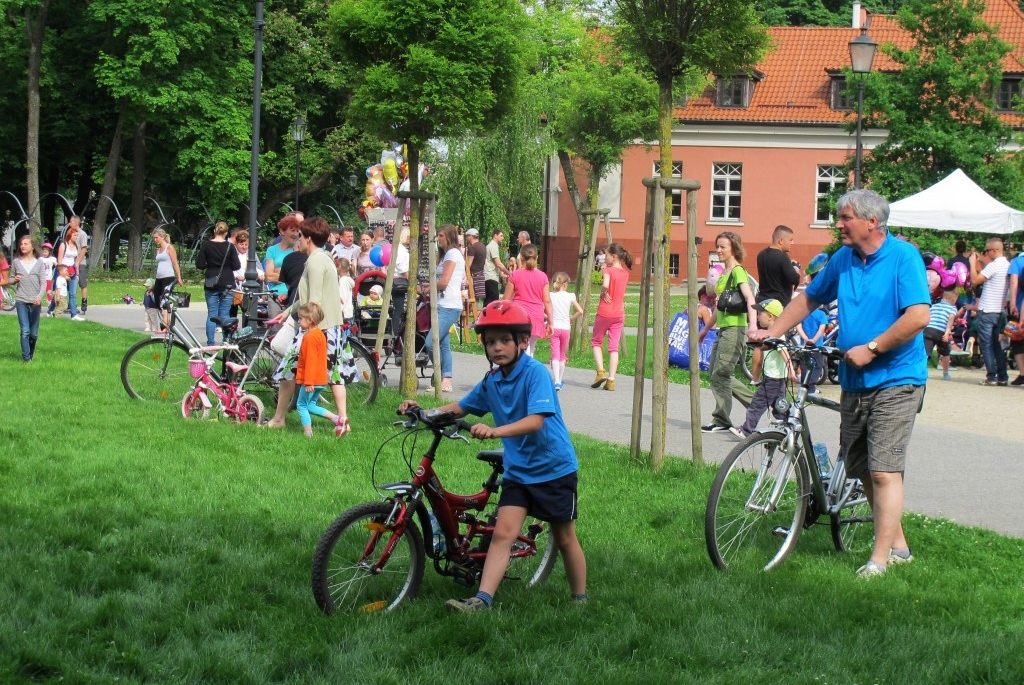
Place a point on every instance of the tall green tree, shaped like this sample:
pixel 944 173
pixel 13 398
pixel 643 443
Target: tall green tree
pixel 939 106
pixel 603 105
pixel 682 41
pixel 429 69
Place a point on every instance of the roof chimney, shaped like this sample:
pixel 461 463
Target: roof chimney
pixel 856 14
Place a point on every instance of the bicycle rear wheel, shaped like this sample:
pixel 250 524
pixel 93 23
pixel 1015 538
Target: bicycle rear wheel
pixel 756 507
pixel 535 568
pixel 848 535
pixel 345 574
pixel 364 390
pixel 156 370
pixel 263 363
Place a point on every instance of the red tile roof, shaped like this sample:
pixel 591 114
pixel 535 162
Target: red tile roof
pixel 796 82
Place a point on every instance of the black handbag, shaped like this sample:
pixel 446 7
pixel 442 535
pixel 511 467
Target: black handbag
pixel 731 301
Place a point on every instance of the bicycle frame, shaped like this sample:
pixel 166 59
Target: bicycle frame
pixel 450 509
pixel 829 497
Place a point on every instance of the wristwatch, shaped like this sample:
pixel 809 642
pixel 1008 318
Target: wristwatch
pixel 873 347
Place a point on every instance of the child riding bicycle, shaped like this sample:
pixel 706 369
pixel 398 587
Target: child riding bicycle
pixel 540 463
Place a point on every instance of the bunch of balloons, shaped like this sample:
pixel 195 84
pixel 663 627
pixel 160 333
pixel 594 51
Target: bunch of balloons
pixel 940 278
pixel 386 178
pixel 380 255
pixel 714 273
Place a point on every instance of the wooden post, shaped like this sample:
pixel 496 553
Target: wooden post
pixel 420 202
pixel 641 325
pixel 696 439
pixel 659 391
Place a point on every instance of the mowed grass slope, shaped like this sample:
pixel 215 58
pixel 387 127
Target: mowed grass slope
pixel 137 547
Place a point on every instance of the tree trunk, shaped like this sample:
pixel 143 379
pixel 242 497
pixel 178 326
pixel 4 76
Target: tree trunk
pixel 588 238
pixel 659 376
pixel 577 199
pixel 35 28
pixel 138 212
pixel 99 222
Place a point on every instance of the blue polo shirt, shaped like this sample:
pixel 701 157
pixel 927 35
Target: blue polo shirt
pixel 537 457
pixel 1017 269
pixel 873 293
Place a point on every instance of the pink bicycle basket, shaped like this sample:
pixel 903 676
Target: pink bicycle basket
pixel 197 368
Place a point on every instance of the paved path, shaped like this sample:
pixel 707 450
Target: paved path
pixel 965 456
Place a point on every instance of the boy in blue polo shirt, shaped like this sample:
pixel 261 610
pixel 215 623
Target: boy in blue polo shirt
pixel 540 462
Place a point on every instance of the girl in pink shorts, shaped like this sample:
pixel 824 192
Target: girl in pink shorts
pixel 564 308
pixel 611 312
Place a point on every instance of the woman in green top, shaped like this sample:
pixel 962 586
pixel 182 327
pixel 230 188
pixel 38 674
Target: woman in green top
pixel 732 335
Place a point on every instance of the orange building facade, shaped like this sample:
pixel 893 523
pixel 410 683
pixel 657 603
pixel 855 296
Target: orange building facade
pixel 765 147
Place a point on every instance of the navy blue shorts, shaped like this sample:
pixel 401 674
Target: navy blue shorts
pixel 553 501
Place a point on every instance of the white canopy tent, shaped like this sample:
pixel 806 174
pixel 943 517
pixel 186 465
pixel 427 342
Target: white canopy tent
pixel 956 203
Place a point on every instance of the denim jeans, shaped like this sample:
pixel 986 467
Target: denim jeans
pixel 28 321
pixel 991 350
pixel 446 318
pixel 218 303
pixel 72 293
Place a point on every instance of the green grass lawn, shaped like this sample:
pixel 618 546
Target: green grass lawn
pixel 141 548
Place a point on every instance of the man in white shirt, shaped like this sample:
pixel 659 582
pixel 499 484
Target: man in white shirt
pixel 991 306
pixel 347 247
pixel 83 265
pixel 493 266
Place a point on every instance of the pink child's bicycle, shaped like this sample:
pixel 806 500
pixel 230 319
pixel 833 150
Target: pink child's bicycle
pixel 231 401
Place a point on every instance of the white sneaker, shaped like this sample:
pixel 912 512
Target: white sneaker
pixel 78 317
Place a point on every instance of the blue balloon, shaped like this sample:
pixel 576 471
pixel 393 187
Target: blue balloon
pixel 376 255
pixel 817 263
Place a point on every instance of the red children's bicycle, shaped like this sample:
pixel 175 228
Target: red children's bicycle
pixel 371 558
pixel 231 400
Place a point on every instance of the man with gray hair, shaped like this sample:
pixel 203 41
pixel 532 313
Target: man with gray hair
pixel 883 308
pixel 990 271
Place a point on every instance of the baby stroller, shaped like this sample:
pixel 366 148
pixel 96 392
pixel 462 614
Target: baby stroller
pixel 368 324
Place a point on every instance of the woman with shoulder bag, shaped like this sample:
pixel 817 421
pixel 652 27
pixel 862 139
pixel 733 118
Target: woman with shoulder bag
pixel 735 317
pixel 220 260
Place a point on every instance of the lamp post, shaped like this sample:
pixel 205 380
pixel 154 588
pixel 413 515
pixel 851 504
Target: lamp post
pixel 251 274
pixel 298 135
pixel 862 54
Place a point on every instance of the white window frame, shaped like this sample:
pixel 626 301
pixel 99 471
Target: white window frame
pixel 677 195
pixel 728 175
pixel 834 176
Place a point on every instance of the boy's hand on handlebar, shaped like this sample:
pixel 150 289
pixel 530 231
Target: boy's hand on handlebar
pixel 482 431
pixel 405 406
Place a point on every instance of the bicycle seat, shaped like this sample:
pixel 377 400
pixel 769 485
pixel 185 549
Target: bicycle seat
pixel 236 368
pixel 493 457
pixel 227 326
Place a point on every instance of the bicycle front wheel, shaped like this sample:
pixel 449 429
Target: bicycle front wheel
pixel 9 296
pixel 363 564
pixel 156 370
pixel 757 504
pixel 364 390
pixel 196 404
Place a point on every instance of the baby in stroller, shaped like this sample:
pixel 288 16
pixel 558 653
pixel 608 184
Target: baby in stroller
pixel 369 290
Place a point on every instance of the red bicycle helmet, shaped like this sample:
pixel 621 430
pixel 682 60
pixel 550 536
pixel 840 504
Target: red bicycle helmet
pixel 504 314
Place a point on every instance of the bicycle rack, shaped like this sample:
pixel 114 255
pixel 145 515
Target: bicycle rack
pixel 111 227
pixel 11 229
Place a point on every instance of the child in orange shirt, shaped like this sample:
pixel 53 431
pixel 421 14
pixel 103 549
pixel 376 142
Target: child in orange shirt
pixel 311 369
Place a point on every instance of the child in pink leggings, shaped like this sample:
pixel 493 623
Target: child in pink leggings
pixel 611 313
pixel 564 308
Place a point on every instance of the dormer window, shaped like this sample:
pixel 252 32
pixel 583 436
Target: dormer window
pixel 1009 94
pixel 734 91
pixel 838 95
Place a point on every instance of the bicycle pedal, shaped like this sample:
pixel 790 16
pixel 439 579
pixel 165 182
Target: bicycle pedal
pixel 780 532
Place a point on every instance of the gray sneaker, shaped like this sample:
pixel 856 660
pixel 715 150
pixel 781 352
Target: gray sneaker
pixel 871 569
pixel 467 605
pixel 897 559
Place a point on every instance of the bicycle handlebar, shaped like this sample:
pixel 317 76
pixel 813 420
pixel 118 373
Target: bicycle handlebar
pixel 212 348
pixel 432 419
pixel 776 343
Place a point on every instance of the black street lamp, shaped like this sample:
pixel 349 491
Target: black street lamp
pixel 251 274
pixel 862 54
pixel 298 135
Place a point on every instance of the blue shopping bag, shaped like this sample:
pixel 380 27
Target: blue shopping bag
pixel 679 344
